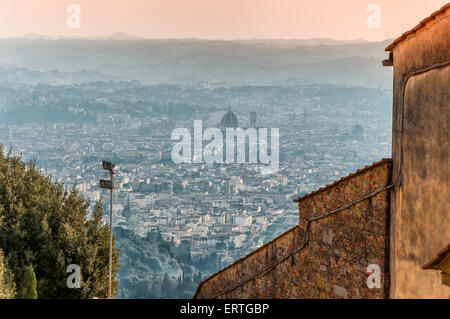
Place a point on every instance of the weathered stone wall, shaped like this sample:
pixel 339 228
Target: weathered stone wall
pixel 420 208
pixel 334 262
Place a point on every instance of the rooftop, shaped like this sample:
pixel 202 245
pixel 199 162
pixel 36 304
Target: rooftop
pixel 359 171
pixel 438 258
pixel 418 27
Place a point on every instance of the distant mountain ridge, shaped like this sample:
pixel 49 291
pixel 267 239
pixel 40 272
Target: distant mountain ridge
pixel 184 61
pixel 270 41
pixel 114 36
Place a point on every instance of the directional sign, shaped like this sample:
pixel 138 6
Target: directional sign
pixel 107 165
pixel 106 183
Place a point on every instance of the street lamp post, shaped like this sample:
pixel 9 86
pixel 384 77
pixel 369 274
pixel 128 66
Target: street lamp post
pixel 109 184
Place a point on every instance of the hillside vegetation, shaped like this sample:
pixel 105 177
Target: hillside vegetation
pixel 44 228
pixel 151 267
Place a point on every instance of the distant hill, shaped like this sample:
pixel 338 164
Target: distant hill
pixel 286 43
pixel 185 61
pixel 295 42
pixel 115 36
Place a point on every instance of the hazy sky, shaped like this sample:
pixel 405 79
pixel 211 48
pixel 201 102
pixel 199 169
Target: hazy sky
pixel 215 19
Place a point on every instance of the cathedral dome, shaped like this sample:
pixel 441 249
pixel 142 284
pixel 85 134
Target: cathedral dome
pixel 229 120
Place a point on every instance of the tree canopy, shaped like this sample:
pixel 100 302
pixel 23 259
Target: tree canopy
pixel 46 226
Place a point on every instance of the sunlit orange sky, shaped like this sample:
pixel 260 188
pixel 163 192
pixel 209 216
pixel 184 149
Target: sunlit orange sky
pixel 215 19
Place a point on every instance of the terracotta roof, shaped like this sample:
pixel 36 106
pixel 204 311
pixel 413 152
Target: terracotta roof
pixel 438 258
pixel 362 170
pixel 418 27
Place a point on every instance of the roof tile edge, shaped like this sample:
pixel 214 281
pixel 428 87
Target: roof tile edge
pixel 418 27
pixel 436 259
pixel 359 171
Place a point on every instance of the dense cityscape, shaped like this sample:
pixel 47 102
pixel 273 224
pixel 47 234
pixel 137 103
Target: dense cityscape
pixel 326 132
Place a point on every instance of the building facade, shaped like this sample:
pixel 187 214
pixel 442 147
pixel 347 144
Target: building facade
pixel 420 205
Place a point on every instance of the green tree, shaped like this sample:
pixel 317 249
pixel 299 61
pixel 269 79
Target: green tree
pixel 7 287
pixel 47 226
pixel 28 286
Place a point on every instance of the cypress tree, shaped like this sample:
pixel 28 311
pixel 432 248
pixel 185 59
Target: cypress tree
pixel 28 286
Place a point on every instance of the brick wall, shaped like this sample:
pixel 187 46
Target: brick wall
pixel 332 261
